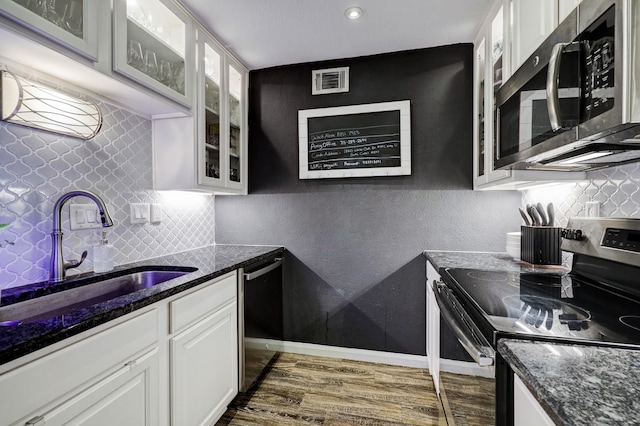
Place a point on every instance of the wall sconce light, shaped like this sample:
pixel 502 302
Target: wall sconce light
pixel 34 105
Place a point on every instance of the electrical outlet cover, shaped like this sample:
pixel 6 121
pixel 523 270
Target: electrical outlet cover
pixel 592 209
pixel 155 213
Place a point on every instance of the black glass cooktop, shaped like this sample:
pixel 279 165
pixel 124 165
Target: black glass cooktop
pixel 554 305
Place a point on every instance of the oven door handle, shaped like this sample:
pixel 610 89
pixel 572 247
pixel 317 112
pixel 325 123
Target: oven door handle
pixel 463 327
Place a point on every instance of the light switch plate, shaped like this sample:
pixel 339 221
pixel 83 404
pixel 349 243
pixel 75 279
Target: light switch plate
pixel 84 216
pixel 139 213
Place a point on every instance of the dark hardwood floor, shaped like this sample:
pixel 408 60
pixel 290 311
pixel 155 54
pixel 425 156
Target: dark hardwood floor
pixel 300 389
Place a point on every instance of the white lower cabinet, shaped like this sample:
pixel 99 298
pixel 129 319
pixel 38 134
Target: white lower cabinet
pixel 204 365
pixel 526 410
pixel 433 327
pixel 128 396
pixel 125 371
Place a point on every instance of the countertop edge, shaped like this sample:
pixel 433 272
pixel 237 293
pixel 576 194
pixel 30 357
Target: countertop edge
pixel 545 399
pixel 106 314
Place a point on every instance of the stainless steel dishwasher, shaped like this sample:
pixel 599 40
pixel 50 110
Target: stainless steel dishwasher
pixel 260 323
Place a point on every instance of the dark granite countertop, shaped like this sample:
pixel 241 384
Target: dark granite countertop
pixel 579 385
pixel 488 261
pixel 212 261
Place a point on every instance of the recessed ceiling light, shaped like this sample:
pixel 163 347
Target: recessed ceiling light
pixel 353 12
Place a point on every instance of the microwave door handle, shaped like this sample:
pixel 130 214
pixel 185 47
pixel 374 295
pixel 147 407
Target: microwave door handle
pixel 553 100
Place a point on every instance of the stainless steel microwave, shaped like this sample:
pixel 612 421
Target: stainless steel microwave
pixel 575 103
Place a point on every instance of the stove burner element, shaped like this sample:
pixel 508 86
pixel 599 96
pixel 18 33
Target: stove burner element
pixel 632 321
pixel 486 276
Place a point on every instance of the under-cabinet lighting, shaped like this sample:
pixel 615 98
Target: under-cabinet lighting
pixel 353 12
pixel 35 105
pixel 586 157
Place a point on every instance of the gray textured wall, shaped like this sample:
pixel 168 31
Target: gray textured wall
pixel 355 275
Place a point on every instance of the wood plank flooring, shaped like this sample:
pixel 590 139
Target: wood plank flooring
pixel 471 401
pixel 308 390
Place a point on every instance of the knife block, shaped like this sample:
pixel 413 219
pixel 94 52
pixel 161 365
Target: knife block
pixel 540 245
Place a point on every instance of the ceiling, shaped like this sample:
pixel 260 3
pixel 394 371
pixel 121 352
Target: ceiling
pixel 267 33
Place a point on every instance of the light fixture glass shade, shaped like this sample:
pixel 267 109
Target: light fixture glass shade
pixel 34 105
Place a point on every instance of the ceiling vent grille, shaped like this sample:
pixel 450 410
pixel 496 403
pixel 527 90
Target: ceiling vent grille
pixel 331 80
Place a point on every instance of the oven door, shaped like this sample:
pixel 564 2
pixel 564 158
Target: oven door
pixel 463 326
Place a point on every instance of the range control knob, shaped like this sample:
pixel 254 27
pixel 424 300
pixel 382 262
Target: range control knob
pixel 572 234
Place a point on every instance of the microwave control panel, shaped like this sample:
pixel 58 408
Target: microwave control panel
pixel 598 43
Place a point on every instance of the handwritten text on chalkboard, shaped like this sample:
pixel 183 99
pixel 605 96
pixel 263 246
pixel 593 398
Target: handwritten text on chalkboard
pixel 356 140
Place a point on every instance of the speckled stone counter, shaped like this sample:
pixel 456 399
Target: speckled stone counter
pixel 579 385
pixel 488 261
pixel 212 261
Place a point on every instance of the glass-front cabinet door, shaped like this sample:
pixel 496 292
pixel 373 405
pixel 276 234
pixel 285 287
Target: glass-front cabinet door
pixel 479 109
pixel 236 129
pixel 211 161
pixel 70 23
pixel 154 46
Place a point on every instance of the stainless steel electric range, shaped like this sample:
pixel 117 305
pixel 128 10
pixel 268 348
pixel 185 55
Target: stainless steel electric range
pixel 596 303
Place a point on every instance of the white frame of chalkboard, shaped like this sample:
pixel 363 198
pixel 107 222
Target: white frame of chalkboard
pixel 405 141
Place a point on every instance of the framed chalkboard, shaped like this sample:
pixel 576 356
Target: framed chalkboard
pixel 355 141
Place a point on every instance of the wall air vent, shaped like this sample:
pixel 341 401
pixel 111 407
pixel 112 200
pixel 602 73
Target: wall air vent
pixel 331 80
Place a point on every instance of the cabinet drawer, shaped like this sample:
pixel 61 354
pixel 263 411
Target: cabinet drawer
pixel 38 383
pixel 194 306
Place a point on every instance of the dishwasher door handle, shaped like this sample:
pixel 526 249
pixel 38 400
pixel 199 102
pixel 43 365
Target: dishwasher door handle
pixel 260 272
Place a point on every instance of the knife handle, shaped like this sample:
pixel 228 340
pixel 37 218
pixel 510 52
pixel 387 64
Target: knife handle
pixel 524 217
pixel 537 220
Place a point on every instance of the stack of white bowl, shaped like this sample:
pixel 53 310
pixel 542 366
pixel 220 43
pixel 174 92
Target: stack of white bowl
pixel 513 244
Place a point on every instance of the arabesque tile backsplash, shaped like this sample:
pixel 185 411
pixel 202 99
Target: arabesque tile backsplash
pixel 616 188
pixel 36 168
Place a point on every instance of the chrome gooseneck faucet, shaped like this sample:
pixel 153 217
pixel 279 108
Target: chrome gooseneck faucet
pixel 58 265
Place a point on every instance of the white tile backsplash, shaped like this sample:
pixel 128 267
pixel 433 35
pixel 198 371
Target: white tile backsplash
pixel 36 168
pixel 616 188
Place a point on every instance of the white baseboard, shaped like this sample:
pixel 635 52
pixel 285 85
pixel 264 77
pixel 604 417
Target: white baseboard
pixel 466 368
pixel 404 360
pixel 390 358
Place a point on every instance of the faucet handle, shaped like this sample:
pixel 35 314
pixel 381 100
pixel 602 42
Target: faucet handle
pixel 75 263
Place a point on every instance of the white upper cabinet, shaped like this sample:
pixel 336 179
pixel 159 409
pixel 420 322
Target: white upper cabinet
pixel 212 154
pixel 532 22
pixel 490 71
pixel 69 23
pixel 237 87
pixel 565 7
pixel 154 46
pixel 206 151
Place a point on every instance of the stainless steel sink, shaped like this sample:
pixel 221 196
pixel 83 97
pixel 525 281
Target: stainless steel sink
pixel 83 296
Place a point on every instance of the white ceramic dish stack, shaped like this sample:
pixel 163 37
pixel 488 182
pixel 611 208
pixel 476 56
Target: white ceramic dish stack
pixel 513 244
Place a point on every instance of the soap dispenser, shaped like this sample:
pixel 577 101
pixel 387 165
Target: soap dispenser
pixel 103 255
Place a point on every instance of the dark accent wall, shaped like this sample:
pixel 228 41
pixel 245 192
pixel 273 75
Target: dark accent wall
pixel 355 275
